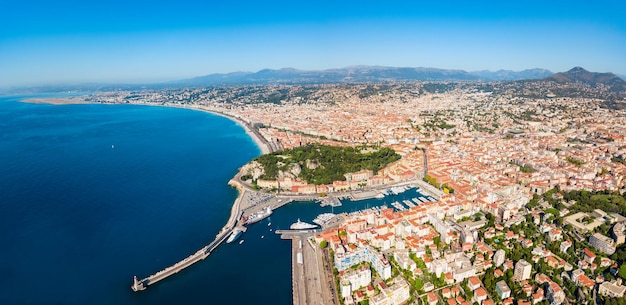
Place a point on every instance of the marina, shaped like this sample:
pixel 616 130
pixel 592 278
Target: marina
pixel 398 206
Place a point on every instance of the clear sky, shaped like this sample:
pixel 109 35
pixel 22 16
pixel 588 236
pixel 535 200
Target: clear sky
pixel 70 42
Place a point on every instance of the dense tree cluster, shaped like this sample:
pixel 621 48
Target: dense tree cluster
pixel 323 164
pixel 587 201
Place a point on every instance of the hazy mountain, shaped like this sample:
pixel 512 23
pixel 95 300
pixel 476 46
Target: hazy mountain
pixel 342 75
pixel 512 75
pixel 592 79
pixel 355 74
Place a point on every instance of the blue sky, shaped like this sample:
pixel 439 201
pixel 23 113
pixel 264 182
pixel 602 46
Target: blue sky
pixel 70 42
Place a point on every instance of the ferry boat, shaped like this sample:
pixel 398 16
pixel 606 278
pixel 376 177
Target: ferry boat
pixel 233 236
pixel 260 215
pixel 301 225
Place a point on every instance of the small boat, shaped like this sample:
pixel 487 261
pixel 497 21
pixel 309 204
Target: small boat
pixel 269 224
pixel 241 242
pixel 262 236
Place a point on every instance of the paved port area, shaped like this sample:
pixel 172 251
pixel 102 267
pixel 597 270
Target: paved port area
pixel 310 285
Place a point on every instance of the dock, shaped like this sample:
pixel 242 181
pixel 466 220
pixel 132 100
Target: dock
pixel 310 283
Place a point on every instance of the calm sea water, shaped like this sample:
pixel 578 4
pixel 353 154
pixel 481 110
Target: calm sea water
pixel 91 195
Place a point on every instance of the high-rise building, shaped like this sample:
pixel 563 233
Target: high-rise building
pixel 522 270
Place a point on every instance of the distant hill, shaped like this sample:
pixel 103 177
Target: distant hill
pixel 512 75
pixel 578 83
pixel 360 74
pixel 342 75
pixel 592 79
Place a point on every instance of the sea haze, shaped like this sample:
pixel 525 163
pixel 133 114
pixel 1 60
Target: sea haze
pixel 91 195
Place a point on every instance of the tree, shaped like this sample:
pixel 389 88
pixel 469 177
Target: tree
pixel 622 271
pixel 489 279
pixel 323 244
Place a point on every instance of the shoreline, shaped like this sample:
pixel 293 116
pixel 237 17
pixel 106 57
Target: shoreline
pixel 256 137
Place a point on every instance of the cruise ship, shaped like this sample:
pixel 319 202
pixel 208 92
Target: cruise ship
pixel 233 236
pixel 301 225
pixel 258 216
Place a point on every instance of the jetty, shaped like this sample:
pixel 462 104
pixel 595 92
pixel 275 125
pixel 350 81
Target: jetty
pixel 199 255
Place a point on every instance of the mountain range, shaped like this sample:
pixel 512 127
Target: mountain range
pixel 609 82
pixel 359 74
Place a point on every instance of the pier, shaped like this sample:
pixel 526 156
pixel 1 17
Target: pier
pixel 199 255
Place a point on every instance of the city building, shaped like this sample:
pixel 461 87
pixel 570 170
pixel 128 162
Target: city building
pixel 618 233
pixel 395 294
pixel 589 256
pixel 522 270
pixel 555 294
pixel 358 278
pixel 613 289
pixel 603 243
pixel 380 264
pixel 498 258
pixel 503 290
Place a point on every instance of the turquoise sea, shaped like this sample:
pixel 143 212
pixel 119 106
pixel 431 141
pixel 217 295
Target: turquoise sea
pixel 91 195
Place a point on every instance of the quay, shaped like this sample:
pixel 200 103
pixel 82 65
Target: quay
pixel 310 282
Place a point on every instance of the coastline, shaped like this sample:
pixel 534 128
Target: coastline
pixel 260 141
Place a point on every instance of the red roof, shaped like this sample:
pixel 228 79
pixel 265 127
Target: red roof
pixel 474 280
pixel 589 253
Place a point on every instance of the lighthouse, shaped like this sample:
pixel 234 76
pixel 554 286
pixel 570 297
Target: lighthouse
pixel 135 284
